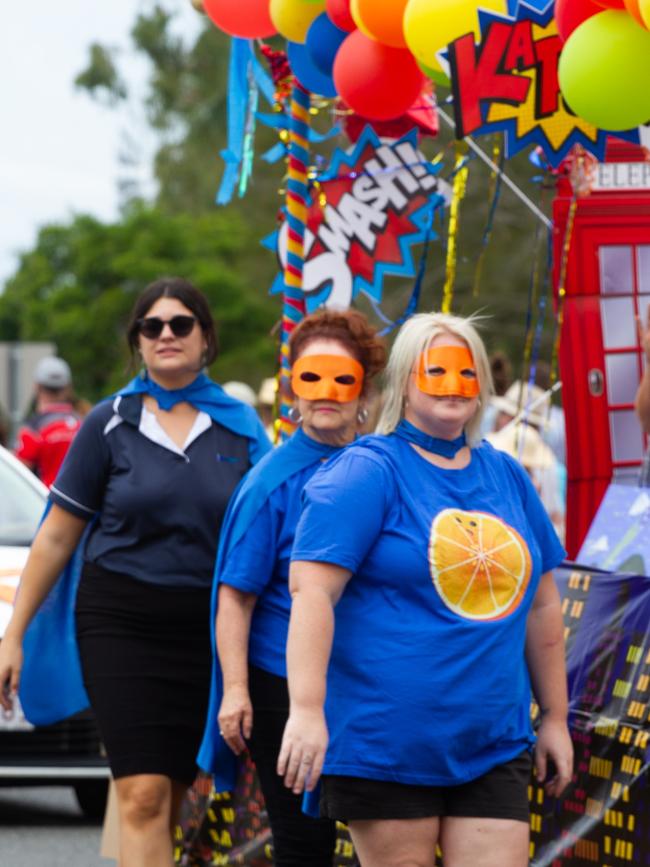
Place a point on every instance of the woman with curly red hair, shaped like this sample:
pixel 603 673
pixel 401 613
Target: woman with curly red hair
pixel 334 355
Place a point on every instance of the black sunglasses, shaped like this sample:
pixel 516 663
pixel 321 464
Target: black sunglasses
pixel 151 327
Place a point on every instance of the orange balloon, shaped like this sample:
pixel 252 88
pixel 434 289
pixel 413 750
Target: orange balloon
pixel 632 7
pixel 381 19
pixel 644 11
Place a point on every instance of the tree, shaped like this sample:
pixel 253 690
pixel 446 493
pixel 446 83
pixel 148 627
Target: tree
pixel 78 284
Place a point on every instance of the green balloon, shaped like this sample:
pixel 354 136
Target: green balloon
pixel 604 71
pixel 436 75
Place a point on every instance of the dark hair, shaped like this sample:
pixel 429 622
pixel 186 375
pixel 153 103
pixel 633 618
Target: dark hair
pixel 187 294
pixel 348 327
pixel 501 372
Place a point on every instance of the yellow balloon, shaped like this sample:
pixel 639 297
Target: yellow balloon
pixel 292 18
pixel 644 9
pixel 431 26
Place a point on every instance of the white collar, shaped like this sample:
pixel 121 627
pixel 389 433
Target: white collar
pixel 151 428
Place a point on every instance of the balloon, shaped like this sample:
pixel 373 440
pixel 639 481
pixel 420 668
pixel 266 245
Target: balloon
pixel 377 81
pixel 430 26
pixel 604 69
pixel 435 75
pixel 249 19
pixel 569 14
pixel 632 7
pixel 307 73
pixel 644 9
pixel 323 41
pixel 292 18
pixel 339 12
pixel 381 19
pixel 611 4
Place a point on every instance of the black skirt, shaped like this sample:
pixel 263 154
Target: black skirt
pixel 146 663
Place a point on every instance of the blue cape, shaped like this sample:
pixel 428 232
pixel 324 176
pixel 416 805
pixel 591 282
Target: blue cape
pixel 51 683
pixel 273 470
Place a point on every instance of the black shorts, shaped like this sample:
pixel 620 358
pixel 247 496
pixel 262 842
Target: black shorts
pixel 502 793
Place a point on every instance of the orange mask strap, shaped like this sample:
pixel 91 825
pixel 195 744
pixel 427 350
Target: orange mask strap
pixel 446 371
pixel 327 377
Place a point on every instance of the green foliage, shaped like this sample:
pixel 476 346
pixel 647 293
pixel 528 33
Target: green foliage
pixel 78 285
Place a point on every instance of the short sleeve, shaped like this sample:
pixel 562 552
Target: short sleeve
pixel 551 548
pixel 28 445
pixel 80 484
pixel 344 506
pixel 249 565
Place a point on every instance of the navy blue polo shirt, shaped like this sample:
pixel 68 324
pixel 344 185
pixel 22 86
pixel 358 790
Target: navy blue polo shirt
pixel 159 507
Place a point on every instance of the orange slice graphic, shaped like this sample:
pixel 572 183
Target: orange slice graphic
pixel 480 566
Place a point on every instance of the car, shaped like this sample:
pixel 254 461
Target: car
pixel 69 753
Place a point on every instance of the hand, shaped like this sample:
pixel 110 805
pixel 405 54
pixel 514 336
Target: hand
pixel 644 334
pixel 303 749
pixel 11 663
pixel 236 717
pixel 554 743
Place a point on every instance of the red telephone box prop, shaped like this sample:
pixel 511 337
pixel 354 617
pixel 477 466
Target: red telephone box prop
pixel 607 286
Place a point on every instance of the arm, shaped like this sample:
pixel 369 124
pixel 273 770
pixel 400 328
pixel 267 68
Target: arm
pixel 233 630
pixel 642 401
pixel 315 589
pixel 55 541
pixel 545 658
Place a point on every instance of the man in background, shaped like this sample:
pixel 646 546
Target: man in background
pixel 45 437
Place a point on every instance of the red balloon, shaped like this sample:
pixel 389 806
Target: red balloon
pixel 249 19
pixel 375 80
pixel 612 4
pixel 570 14
pixel 339 13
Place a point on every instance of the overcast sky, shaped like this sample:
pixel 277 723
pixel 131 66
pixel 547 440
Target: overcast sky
pixel 58 149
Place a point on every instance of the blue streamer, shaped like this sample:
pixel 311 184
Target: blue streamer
pixel 245 76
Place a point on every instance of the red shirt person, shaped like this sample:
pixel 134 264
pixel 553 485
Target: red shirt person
pixel 45 437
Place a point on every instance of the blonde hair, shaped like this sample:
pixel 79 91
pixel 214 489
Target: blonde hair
pixel 412 340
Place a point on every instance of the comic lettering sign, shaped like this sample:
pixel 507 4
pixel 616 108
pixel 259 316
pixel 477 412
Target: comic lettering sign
pixel 368 210
pixel 509 81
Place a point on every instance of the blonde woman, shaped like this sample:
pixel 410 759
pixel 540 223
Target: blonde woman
pixel 432 555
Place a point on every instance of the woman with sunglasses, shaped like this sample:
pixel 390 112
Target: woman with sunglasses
pixel 432 554
pixel 148 479
pixel 334 356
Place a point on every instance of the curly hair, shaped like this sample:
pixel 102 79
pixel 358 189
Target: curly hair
pixel 348 327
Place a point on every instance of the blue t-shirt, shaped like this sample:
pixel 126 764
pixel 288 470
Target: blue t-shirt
pixel 158 510
pixel 427 682
pixel 259 562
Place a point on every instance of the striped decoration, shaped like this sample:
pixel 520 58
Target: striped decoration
pixel 297 208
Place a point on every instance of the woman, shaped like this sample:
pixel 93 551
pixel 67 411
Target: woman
pixel 153 469
pixel 334 355
pixel 436 552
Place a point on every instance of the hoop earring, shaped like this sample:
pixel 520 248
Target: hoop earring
pixel 362 415
pixel 294 415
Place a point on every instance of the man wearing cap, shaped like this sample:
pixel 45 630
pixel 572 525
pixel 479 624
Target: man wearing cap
pixel 45 437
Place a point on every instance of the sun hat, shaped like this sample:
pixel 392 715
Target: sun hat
pixel 521 395
pixel 268 390
pixel 241 391
pixel 523 442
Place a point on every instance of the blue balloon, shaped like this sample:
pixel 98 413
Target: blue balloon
pixel 323 41
pixel 307 73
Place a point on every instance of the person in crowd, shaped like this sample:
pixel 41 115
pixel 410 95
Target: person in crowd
pixel 241 391
pixel 44 439
pixel 553 431
pixel 518 430
pixel 266 397
pixel 501 370
pixel 334 357
pixel 423 609
pixel 153 469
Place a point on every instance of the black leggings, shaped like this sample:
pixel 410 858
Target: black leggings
pixel 298 840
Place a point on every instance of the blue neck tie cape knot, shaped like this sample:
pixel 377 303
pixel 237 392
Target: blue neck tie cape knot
pixel 51 686
pixel 436 445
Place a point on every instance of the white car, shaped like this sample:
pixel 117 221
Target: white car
pixel 68 753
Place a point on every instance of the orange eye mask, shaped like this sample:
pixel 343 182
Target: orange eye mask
pixel 327 377
pixel 447 370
